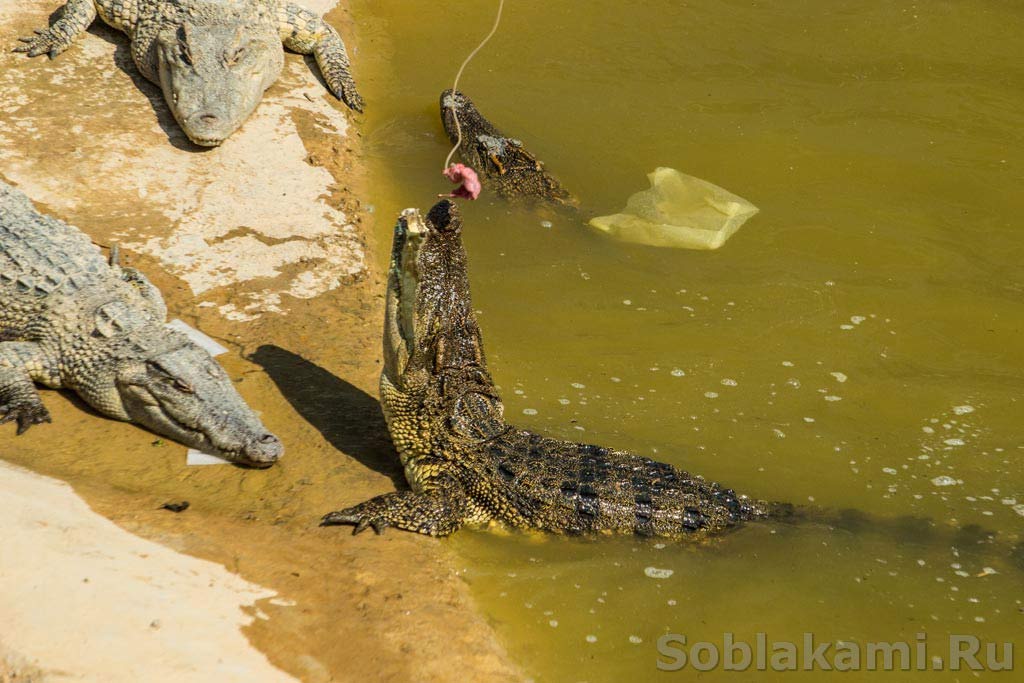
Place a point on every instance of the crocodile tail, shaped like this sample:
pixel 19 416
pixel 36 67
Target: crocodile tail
pixel 906 529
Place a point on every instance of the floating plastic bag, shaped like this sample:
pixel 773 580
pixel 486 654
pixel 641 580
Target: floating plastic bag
pixel 678 211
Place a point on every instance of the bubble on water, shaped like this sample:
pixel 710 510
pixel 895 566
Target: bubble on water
pixel 591 639
pixel 564 401
pixel 793 382
pixel 954 442
pixel 529 411
pixel 636 640
pixel 840 377
pixel 963 410
pixel 627 302
pixel 546 224
pixel 787 363
pixel 779 433
pixel 857 319
pixel 888 470
pixel 615 379
pixel 553 623
pixel 658 573
pixel 945 481
pixel 927 430
pixel 727 382
pixel 808 420
pixel 846 327
pixel 677 372
pixel 577 385
pixel 671 603
pixel 833 398
pixel 710 394
pixel 1019 509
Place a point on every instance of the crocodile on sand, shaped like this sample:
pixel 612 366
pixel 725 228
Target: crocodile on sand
pixel 71 319
pixel 213 59
pixel 465 463
pixel 501 161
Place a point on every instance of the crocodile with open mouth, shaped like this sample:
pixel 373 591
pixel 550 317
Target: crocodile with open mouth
pixel 465 463
pixel 71 319
pixel 213 59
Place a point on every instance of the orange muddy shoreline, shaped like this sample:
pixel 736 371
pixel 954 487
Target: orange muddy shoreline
pixel 299 306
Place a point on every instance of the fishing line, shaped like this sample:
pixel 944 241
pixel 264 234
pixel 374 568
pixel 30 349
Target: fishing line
pixel 455 86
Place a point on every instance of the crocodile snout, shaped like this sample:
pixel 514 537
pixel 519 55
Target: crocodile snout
pixel 264 451
pixel 208 129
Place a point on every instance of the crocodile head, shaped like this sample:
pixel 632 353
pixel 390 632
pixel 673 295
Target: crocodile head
pixel 455 104
pixel 182 393
pixel 433 351
pixel 502 161
pixel 213 69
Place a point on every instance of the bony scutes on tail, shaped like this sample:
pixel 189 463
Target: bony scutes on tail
pixel 465 463
pixel 69 319
pixel 213 59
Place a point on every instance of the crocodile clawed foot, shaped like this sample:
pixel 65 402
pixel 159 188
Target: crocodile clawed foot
pixel 361 520
pixel 46 41
pixel 27 414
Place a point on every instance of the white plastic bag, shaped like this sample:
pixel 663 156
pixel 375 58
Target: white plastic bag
pixel 678 211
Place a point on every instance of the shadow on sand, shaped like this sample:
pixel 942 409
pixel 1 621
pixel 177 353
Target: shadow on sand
pixel 349 418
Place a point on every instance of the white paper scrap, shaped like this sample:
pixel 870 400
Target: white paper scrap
pixel 197 337
pixel 199 458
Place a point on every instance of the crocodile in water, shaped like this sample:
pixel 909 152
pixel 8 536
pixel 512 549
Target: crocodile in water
pixel 465 463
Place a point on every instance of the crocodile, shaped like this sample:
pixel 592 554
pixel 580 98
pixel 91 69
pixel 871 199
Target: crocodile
pixel 503 162
pixel 70 318
pixel 465 464
pixel 213 59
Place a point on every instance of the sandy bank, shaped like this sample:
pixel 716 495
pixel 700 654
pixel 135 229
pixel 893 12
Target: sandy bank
pixel 92 602
pixel 262 244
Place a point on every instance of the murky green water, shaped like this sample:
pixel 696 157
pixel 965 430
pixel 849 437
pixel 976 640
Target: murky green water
pixel 857 344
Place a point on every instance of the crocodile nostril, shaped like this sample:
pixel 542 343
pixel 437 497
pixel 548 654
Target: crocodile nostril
pixel 268 438
pixel 208 118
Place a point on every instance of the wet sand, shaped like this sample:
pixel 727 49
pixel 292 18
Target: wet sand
pixel 263 245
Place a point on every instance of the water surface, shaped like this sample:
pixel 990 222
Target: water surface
pixel 858 344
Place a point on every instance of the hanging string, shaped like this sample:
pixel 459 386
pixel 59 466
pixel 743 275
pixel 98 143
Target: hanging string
pixel 455 86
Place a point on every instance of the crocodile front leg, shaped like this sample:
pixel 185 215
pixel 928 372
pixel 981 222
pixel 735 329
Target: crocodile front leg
pixel 75 18
pixel 22 364
pixel 306 33
pixel 439 512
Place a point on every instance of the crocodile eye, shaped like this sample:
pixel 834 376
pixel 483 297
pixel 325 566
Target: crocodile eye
pixel 182 386
pixel 185 54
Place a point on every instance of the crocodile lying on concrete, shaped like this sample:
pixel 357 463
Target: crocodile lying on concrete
pixel 464 462
pixel 69 319
pixel 502 161
pixel 212 58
